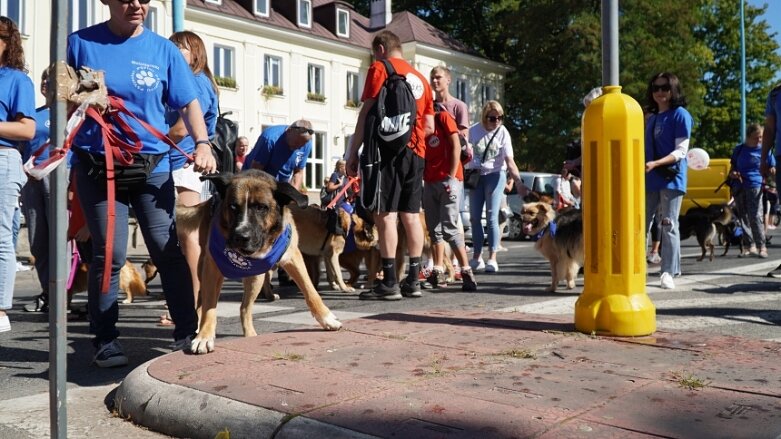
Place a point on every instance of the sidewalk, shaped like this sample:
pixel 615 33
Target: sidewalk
pixel 462 375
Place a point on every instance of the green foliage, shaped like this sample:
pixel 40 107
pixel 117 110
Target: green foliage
pixel 317 97
pixel 271 90
pixel 225 81
pixel 555 49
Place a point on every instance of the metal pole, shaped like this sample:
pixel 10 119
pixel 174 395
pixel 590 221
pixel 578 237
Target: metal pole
pixel 178 13
pixel 609 42
pixel 58 269
pixel 742 73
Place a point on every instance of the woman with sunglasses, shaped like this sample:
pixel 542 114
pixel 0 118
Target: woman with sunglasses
pixel 149 73
pixel 667 133
pixel 17 109
pixel 493 156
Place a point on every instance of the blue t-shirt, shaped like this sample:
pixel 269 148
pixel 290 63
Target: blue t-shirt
pixel 17 96
pixel 773 108
pixel 207 97
pixel 272 151
pixel 661 130
pixel 746 160
pixel 41 136
pixel 147 71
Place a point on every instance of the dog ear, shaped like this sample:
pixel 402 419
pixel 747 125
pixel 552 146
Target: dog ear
pixel 221 181
pixel 286 193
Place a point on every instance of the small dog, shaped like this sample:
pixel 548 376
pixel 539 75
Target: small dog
pixel 558 237
pixel 130 282
pixel 245 232
pixel 704 223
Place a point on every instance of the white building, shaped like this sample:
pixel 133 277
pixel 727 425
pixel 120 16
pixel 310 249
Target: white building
pixel 282 60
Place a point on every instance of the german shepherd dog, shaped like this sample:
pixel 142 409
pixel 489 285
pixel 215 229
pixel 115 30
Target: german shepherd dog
pixel 559 239
pixel 706 223
pixel 364 233
pixel 251 219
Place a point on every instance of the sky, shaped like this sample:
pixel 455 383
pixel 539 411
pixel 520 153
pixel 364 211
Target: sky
pixel 772 16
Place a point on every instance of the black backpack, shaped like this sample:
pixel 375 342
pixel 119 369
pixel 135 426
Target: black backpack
pixel 225 135
pixel 390 125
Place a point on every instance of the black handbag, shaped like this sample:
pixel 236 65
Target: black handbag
pixel 472 176
pixel 667 172
pixel 126 177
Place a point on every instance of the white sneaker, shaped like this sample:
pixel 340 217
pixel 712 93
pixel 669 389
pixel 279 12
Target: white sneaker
pixel 667 281
pixel 5 324
pixel 491 267
pixel 654 258
pixel 477 264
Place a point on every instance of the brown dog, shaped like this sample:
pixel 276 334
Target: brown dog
pixel 312 222
pixel 130 282
pixel 249 225
pixel 365 235
pixel 561 244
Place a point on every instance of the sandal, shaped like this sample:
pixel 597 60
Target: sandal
pixel 165 321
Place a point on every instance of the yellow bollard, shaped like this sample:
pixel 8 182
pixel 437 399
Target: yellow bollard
pixel 614 299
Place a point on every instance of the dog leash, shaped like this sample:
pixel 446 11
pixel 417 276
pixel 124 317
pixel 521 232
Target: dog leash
pixel 350 181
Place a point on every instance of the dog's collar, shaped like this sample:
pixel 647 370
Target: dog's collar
pixel 232 265
pixel 551 228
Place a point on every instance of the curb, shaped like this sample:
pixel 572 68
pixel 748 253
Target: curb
pixel 184 412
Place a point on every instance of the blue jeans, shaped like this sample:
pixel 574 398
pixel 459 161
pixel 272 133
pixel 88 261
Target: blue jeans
pixel 488 193
pixel 153 205
pixel 751 216
pixel 35 203
pixel 667 205
pixel 12 178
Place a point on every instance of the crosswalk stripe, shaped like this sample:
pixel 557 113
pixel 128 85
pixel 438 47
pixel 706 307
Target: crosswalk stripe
pixel 305 318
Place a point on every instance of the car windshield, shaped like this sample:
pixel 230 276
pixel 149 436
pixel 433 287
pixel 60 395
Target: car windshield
pixel 545 184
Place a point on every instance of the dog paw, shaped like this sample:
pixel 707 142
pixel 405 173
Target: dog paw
pixel 550 289
pixel 329 322
pixel 570 284
pixel 202 345
pixel 128 300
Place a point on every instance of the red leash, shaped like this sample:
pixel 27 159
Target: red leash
pixel 350 181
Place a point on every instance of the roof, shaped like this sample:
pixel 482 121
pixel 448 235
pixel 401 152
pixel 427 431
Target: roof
pixel 406 25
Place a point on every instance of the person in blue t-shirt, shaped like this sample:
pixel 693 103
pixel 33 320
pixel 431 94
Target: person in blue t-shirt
pixel 17 109
pixel 148 72
pixel 747 181
pixel 772 140
pixel 282 151
pixel 35 201
pixel 189 187
pixel 667 133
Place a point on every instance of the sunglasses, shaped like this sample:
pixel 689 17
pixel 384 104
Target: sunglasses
pixel 495 118
pixel 305 130
pixel 662 87
pixel 141 2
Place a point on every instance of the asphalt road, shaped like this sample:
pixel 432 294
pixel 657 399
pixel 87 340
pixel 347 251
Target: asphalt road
pixel 730 295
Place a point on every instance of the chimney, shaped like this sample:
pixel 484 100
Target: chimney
pixel 380 13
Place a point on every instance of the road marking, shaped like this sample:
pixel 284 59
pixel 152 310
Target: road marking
pixel 305 318
pixel 679 324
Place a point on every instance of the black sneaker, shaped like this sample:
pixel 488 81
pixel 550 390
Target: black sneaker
pixel 410 289
pixel 110 355
pixel 381 292
pixel 468 279
pixel 39 305
pixel 776 273
pixel 437 279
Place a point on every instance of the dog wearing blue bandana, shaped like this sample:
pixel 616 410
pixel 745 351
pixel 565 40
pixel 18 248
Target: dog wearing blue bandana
pixel 244 232
pixel 559 237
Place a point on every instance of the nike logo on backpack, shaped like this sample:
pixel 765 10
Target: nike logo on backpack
pixel 394 127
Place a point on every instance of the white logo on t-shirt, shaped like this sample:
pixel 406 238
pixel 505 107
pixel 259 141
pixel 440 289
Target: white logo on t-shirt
pixel 416 84
pixel 145 78
pixel 433 141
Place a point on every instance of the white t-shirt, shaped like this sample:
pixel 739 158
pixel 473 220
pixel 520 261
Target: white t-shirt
pixel 500 148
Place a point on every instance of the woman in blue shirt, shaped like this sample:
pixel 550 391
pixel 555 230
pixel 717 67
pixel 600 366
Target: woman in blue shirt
pixel 747 181
pixel 667 133
pixel 17 109
pixel 149 73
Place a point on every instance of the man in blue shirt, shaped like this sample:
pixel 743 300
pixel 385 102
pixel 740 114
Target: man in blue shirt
pixel 282 151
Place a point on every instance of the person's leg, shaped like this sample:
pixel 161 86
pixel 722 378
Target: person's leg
pixel 103 307
pixel 191 248
pixel 754 214
pixel 742 197
pixel 35 202
pixel 496 182
pixel 669 209
pixel 454 236
pixel 11 181
pixel 154 207
pixel 433 214
pixel 477 198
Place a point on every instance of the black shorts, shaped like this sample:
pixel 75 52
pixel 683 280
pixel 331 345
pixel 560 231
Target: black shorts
pixel 401 181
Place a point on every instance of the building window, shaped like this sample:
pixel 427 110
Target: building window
pixel 461 93
pixel 14 9
pixel 223 62
pixel 353 97
pixel 488 93
pixel 305 13
pixel 214 2
pixel 315 164
pixel 272 71
pixel 315 80
pixel 342 23
pixel 261 8
pixel 150 22
pixel 82 14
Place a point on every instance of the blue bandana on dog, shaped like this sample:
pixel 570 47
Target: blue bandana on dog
pixel 551 228
pixel 235 266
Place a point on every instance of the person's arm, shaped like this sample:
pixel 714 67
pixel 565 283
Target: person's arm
pixel 196 127
pixel 429 128
pixel 357 138
pixel 178 131
pixel 297 179
pixel 768 142
pixel 332 185
pixel 23 129
pixel 455 154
